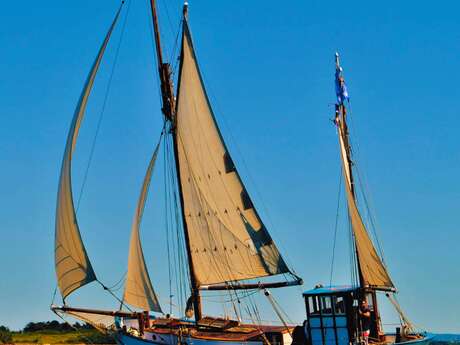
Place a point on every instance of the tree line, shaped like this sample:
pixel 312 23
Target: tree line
pixel 54 326
pixel 6 336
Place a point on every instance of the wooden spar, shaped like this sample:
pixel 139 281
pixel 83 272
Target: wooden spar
pixel 168 109
pixel 164 70
pixel 119 313
pixel 298 281
pixel 342 113
pixel 196 298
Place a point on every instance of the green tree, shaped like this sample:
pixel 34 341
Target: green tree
pixel 5 335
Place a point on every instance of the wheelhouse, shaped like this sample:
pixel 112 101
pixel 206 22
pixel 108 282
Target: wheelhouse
pixel 331 315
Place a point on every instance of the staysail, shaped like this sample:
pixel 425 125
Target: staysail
pixel 372 270
pixel 73 267
pixel 228 241
pixel 138 287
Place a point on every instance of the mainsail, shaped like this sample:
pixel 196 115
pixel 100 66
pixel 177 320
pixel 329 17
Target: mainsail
pixel 372 270
pixel 138 287
pixel 73 268
pixel 228 241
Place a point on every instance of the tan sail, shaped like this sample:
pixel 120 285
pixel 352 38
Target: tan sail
pixel 138 287
pixel 73 268
pixel 373 271
pixel 228 241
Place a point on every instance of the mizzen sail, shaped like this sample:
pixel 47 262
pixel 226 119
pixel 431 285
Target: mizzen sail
pixel 228 241
pixel 73 267
pixel 138 287
pixel 373 273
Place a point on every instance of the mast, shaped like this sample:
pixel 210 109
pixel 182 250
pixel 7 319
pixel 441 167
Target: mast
pixel 164 70
pixel 341 120
pixel 168 109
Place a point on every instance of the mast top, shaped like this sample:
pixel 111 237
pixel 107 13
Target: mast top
pixel 185 10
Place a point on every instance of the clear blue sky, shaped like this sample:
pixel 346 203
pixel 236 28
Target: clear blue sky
pixel 269 70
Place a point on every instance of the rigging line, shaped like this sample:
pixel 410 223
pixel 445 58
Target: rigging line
pixel 364 190
pixel 371 218
pixel 169 216
pixel 119 281
pixel 210 298
pixel 178 244
pixel 336 226
pixel 183 272
pixel 174 50
pixel 104 104
pixel 167 221
pixel 152 45
pixel 352 253
pixel 54 295
pixel 255 310
pixel 181 251
pixel 122 303
pixel 171 28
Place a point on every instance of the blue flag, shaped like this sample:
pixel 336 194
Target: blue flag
pixel 340 87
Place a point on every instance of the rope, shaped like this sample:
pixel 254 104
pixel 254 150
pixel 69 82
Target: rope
pixel 370 217
pixel 174 50
pixel 335 227
pixel 122 303
pixel 167 228
pixel 276 307
pixel 118 282
pixel 54 295
pixel 404 320
pixel 104 104
pixel 363 189
pixel 178 245
pixel 353 258
pixel 153 47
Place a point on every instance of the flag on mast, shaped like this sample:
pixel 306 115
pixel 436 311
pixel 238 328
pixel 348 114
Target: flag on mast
pixel 340 86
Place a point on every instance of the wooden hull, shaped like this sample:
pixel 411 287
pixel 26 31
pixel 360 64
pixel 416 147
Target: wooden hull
pixel 210 331
pixel 164 338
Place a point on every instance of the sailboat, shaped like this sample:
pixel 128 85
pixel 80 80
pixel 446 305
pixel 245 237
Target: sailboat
pixel 227 246
pixel 333 312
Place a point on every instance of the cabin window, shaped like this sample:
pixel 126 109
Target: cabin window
pixel 339 305
pixel 313 305
pixel 326 305
pixel 370 301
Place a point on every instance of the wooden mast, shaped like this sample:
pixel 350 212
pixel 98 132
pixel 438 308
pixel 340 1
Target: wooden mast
pixel 164 70
pixel 168 109
pixel 341 113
